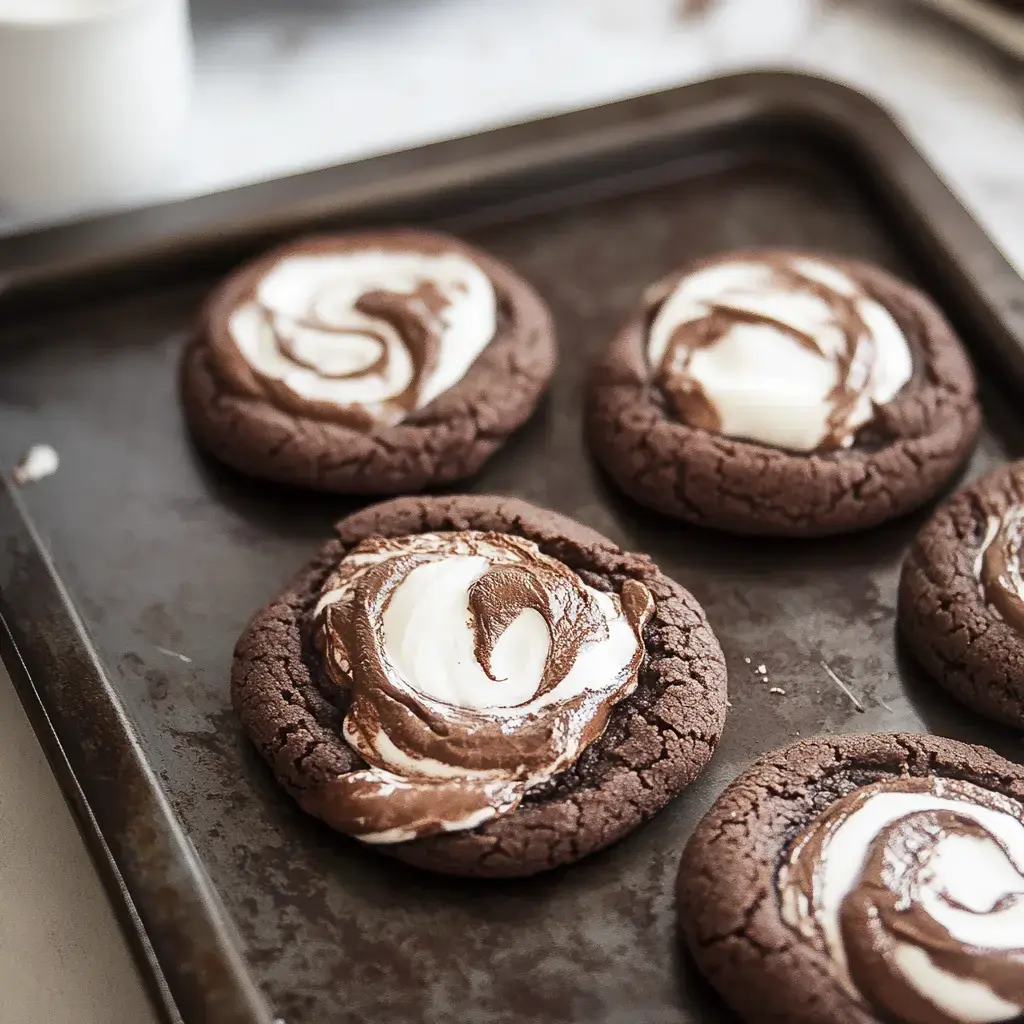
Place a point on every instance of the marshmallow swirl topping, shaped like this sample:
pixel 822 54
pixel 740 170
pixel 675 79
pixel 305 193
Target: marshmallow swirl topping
pixel 787 351
pixel 914 888
pixel 476 668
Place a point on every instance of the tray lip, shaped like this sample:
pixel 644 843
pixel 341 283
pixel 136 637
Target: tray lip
pixel 456 149
pixel 724 102
pixel 235 997
pixel 115 239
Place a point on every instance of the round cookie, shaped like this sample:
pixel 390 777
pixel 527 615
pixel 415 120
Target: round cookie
pixel 368 363
pixel 614 729
pixel 778 393
pixel 961 596
pixel 862 879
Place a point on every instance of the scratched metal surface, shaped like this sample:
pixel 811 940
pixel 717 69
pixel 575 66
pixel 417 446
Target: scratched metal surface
pixel 166 555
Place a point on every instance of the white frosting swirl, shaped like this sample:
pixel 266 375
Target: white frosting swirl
pixel 788 352
pixel 932 909
pixel 478 667
pixel 308 327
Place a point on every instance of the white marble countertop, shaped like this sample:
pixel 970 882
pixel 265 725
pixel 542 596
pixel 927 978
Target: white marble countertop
pixel 289 85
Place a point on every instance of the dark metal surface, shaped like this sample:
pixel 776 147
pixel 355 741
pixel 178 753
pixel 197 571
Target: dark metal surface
pixel 165 554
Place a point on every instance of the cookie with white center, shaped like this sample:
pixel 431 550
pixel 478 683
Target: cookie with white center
pixel 961 597
pixel 367 363
pixel 769 392
pixel 480 687
pixel 871 879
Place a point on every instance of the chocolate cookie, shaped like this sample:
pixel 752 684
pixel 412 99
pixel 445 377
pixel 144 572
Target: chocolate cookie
pixel 779 393
pixel 367 363
pixel 961 599
pixel 480 687
pixel 863 879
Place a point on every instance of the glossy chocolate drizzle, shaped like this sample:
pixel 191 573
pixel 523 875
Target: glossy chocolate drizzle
pixel 855 359
pixel 434 766
pixel 998 566
pixel 886 909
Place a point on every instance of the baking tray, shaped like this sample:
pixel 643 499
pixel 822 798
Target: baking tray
pixel 126 577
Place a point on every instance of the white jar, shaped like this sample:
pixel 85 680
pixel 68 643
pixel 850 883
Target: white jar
pixel 93 99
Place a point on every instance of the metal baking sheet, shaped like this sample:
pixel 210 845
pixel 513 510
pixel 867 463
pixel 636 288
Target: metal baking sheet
pixel 126 577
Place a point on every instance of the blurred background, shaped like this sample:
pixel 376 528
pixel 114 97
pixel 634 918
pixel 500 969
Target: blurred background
pixel 287 85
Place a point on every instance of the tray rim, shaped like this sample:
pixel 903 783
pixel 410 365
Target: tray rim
pixel 35 264
pixel 293 203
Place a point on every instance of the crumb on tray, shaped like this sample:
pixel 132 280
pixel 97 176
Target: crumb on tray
pixel 40 461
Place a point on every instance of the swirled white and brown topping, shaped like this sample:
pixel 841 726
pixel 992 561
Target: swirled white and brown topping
pixel 364 336
pixel 914 888
pixel 476 666
pixel 779 349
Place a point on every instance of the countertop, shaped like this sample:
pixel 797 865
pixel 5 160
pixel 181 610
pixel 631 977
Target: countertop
pixel 288 85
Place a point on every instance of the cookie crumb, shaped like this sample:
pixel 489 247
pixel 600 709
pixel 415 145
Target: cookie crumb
pixel 39 462
pixel 747 660
pixel 761 670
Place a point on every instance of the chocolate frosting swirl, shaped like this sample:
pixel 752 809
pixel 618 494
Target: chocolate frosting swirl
pixel 364 336
pixel 998 566
pixel 754 385
pixel 915 888
pixel 476 666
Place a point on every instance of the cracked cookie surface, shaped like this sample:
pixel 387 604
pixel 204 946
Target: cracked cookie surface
pixel 728 902
pixel 964 645
pixel 235 418
pixel 657 740
pixel 902 457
